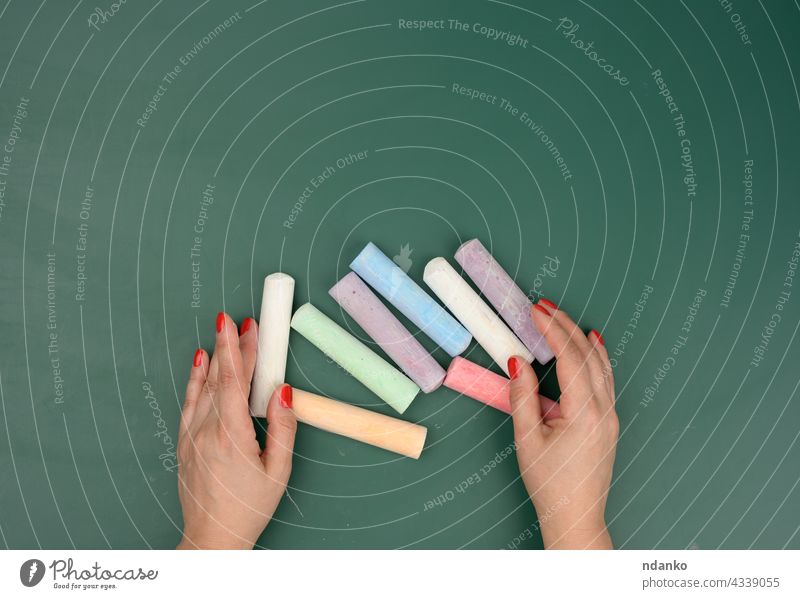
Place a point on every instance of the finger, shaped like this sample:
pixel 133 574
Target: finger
pixel 526 410
pixel 248 346
pixel 571 363
pixel 550 409
pixel 194 389
pixel 564 319
pixel 279 448
pixel 598 347
pixel 231 395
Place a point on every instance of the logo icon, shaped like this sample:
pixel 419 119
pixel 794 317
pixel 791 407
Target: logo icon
pixel 403 259
pixel 31 572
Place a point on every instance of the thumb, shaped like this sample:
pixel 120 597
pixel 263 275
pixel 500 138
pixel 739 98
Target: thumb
pixel 526 409
pixel 279 448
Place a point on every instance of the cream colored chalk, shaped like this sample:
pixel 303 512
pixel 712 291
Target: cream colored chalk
pixel 273 340
pixel 357 423
pixel 478 318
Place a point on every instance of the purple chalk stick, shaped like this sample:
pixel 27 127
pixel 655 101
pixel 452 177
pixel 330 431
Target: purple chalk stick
pixel 506 297
pixel 352 294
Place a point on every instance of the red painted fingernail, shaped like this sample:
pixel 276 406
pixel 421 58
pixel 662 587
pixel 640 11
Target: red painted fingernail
pixel 541 309
pixel 513 367
pixel 599 337
pixel 286 397
pixel 548 303
pixel 198 358
pixel 220 321
pixel 245 325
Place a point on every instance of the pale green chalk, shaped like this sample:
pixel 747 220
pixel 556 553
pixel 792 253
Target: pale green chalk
pixel 380 377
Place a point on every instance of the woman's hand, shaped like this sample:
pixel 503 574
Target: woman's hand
pixel 228 487
pixel 566 462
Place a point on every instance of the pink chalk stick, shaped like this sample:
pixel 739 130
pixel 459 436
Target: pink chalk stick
pixel 352 294
pixel 479 383
pixel 485 386
pixel 504 294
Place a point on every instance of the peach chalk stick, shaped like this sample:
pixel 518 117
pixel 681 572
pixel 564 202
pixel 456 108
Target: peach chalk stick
pixel 477 382
pixel 353 295
pixel 391 434
pixel 503 293
pixel 478 318
pixel 480 384
pixel 273 340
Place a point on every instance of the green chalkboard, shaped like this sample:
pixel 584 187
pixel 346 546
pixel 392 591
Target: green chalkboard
pixel 635 161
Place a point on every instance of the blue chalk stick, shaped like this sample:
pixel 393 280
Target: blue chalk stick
pixel 396 286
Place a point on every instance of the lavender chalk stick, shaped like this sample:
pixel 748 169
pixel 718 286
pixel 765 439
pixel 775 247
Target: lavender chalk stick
pixel 388 279
pixel 352 294
pixel 506 297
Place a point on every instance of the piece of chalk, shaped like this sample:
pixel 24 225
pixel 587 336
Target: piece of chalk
pixel 477 382
pixel 410 299
pixel 392 434
pixel 485 386
pixel 504 294
pixel 353 295
pixel 380 377
pixel 479 319
pixel 273 340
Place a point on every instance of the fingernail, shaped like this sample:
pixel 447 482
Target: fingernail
pixel 599 337
pixel 541 309
pixel 220 321
pixel 198 358
pixel 286 397
pixel 548 303
pixel 245 325
pixel 513 367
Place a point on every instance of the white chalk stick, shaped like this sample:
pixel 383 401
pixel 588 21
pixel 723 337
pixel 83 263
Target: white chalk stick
pixel 273 340
pixel 478 318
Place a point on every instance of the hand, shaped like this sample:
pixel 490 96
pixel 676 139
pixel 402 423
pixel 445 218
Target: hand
pixel 228 487
pixel 566 462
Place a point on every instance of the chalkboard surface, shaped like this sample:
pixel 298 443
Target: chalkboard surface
pixel 636 162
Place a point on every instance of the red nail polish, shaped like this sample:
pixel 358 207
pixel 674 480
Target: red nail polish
pixel 245 325
pixel 198 358
pixel 599 337
pixel 541 309
pixel 220 321
pixel 286 397
pixel 548 303
pixel 513 367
